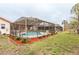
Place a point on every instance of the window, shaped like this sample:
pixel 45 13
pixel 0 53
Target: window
pixel 2 26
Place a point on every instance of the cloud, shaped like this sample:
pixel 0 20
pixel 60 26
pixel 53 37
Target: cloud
pixel 50 12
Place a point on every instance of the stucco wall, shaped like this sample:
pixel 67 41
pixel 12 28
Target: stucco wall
pixel 7 27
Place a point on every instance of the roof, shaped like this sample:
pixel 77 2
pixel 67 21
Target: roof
pixel 5 20
pixel 31 20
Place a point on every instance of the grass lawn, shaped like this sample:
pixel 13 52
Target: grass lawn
pixel 62 43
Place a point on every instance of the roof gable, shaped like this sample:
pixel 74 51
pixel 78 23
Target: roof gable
pixel 5 20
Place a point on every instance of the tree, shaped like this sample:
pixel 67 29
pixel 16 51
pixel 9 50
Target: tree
pixel 75 10
pixel 73 24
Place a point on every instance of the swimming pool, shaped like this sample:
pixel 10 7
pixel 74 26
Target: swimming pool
pixel 31 34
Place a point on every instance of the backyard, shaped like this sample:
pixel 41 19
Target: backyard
pixel 61 43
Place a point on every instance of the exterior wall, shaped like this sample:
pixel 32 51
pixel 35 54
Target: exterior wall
pixel 7 27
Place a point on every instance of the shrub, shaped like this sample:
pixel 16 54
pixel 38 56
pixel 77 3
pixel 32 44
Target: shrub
pixel 18 38
pixel 24 40
pixel 4 33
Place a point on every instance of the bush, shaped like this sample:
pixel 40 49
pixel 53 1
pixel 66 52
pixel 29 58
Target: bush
pixel 4 33
pixel 24 40
pixel 18 38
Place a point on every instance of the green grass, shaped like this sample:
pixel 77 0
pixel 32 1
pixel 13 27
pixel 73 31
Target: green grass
pixel 61 43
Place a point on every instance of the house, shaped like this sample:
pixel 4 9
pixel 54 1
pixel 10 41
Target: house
pixel 4 26
pixel 58 28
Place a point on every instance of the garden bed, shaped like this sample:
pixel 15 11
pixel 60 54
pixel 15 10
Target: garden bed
pixel 18 40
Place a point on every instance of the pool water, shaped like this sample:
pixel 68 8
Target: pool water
pixel 31 33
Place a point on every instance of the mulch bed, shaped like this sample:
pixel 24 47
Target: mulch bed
pixel 29 42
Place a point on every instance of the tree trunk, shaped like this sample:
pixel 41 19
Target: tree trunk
pixel 78 26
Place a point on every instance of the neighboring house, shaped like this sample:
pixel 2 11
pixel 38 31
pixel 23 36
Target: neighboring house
pixel 65 25
pixel 4 26
pixel 58 28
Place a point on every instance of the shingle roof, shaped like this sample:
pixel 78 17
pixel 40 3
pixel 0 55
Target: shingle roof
pixel 5 20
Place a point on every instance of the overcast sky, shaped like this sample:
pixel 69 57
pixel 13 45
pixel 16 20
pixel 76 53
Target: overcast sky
pixel 48 11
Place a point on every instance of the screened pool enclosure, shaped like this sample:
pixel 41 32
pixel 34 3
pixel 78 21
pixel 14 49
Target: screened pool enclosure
pixel 31 27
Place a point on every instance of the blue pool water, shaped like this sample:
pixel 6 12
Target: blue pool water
pixel 31 33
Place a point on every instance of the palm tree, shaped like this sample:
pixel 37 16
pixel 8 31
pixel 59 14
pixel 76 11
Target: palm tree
pixel 75 10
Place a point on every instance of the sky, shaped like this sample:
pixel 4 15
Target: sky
pixel 50 10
